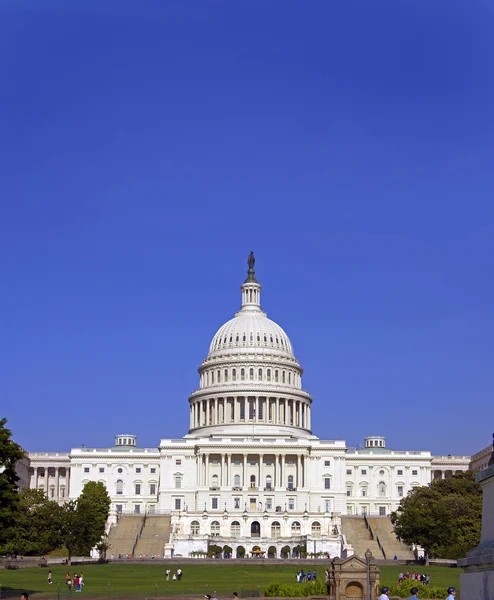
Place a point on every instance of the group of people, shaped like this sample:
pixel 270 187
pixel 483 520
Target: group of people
pixel 302 577
pixel 213 597
pixel 175 576
pixel 415 594
pixel 421 578
pixel 77 583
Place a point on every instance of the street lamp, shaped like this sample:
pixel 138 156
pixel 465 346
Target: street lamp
pixel 368 556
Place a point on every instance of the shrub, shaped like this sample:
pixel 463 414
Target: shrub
pixel 402 590
pixel 297 590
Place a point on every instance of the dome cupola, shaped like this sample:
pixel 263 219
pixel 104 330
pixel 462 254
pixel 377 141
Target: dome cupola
pixel 250 375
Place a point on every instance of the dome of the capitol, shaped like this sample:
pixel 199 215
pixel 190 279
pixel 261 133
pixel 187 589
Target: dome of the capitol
pixel 250 375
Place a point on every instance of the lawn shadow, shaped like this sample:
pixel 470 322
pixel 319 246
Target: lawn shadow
pixel 12 592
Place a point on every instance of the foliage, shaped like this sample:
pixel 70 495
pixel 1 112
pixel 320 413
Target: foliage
pixel 215 550
pixel 103 546
pixel 402 590
pixel 35 531
pixel 296 590
pixel 444 517
pixel 10 453
pixel 285 551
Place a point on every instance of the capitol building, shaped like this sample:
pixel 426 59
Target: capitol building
pixel 249 470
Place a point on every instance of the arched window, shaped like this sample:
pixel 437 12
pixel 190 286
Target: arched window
pixel 275 529
pixel 120 486
pixel 269 375
pixel 276 376
pixel 251 373
pixel 290 482
pixel 215 528
pixel 289 377
pixel 259 374
pixel 242 374
pixel 234 374
pixel 381 489
pixel 283 377
pixel 219 375
pixel 268 482
pixel 178 481
pixel 226 375
pixel 235 529
pixel 195 528
pixel 252 481
pixel 236 481
pixel 212 376
pixel 214 481
pixel 316 529
pixel 295 528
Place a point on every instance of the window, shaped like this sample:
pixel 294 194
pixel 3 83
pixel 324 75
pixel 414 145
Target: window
pixel 252 409
pixel 137 489
pixel 415 472
pixel 316 529
pixel 349 490
pixel 252 481
pixel 178 503
pixel 195 528
pixel 153 470
pixel 214 503
pixel 120 470
pixel 269 375
pixel 151 509
pixel 178 461
pixel 268 482
pixel 152 489
pixel 86 469
pixel 214 481
pixel 291 503
pixel 327 483
pixel 269 503
pixel 326 463
pixel 120 486
pixel 251 373
pixel 235 529
pixel 399 472
pixel 178 482
pixel 295 528
pixel 327 505
pixel 234 374
pixel 290 482
pixel 275 529
pixel 62 492
pixel 119 508
pixel 400 491
pixel 348 471
pixel 52 492
pixel 363 492
pixel 276 376
pixel 382 511
pixel 260 375
pixel 236 481
pixel 242 374
pixel 102 469
pixel 381 489
pixel 363 472
pixel 215 528
pixel 138 469
pixel 236 503
pixel 381 472
pixel 137 509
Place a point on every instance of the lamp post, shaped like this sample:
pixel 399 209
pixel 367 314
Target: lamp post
pixel 368 556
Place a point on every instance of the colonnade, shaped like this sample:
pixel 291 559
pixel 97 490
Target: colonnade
pixel 250 409
pixel 278 480
pixel 52 482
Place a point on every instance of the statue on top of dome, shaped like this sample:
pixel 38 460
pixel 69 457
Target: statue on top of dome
pixel 251 261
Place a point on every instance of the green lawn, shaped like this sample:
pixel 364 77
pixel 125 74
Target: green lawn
pixel 148 580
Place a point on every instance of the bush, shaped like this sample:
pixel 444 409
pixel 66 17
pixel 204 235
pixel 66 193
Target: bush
pixel 402 590
pixel 297 590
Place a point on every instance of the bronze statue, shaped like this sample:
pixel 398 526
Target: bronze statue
pixel 251 261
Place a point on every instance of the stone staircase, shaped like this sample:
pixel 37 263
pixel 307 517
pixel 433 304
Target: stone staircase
pixel 123 535
pixel 359 537
pixel 383 528
pixel 154 536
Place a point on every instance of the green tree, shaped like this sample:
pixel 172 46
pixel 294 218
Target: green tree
pixel 444 517
pixel 10 453
pixel 36 525
pixel 83 521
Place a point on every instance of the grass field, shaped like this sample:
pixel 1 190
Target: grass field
pixel 148 580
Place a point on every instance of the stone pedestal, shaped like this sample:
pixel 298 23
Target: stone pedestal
pixel 477 583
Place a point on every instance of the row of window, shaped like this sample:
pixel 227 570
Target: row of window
pixel 382 472
pixel 275 529
pixel 252 480
pixel 218 376
pixel 251 338
pixel 120 470
pixel 51 492
pixel 381 490
pixel 119 488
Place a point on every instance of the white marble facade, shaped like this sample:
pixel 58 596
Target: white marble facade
pixel 249 471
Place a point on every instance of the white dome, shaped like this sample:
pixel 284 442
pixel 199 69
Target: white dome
pixel 250 330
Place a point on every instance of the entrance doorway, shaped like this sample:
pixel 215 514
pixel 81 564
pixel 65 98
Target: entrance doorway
pixel 255 529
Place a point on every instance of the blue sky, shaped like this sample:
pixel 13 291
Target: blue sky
pixel 145 149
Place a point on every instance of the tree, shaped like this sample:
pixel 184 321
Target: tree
pixel 83 521
pixel 444 517
pixel 102 547
pixel 35 530
pixel 10 453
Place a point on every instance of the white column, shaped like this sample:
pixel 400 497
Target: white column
pixel 216 410
pixel 207 471
pixel 256 416
pixel 276 418
pixel 35 478
pixel 261 482
pixel 57 482
pixel 299 471
pixel 223 478
pixel 245 471
pixel 308 417
pixel 229 470
pixel 282 474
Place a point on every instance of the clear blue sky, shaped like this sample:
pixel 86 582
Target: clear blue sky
pixel 147 146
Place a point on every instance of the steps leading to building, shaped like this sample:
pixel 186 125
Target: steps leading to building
pixel 123 535
pixel 154 536
pixel 382 527
pixel 359 537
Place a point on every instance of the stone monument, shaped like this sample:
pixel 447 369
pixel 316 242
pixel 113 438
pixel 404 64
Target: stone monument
pixel 477 582
pixel 349 577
